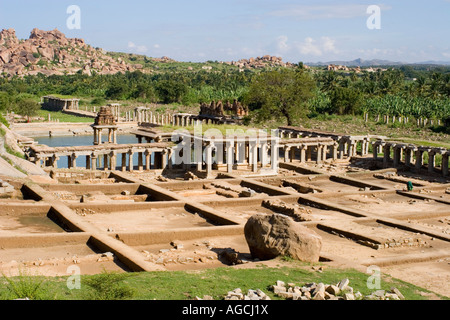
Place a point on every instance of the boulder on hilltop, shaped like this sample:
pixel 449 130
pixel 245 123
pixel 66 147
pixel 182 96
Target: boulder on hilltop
pixel 50 52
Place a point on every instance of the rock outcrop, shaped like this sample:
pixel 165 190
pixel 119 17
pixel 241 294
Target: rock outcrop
pixel 51 53
pixel 269 236
pixel 260 62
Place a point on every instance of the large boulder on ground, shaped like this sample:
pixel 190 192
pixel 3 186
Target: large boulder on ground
pixel 269 236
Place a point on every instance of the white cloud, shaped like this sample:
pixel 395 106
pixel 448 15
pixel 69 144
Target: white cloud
pixel 446 54
pixel 137 48
pixel 317 47
pixel 156 46
pixel 282 45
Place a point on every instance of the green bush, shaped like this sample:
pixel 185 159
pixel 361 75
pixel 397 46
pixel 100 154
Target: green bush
pixel 98 101
pixel 4 121
pixel 25 286
pixel 109 286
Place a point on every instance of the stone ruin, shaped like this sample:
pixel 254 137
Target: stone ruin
pixel 105 117
pixel 221 109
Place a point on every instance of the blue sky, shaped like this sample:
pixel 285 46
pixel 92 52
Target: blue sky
pixel 201 30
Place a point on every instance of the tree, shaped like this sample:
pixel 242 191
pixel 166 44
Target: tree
pixel 27 108
pixel 170 91
pixel 281 94
pixel 345 100
pixel 117 90
pixel 4 101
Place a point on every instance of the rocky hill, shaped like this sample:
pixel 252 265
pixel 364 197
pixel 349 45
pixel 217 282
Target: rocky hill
pixel 260 62
pixel 51 53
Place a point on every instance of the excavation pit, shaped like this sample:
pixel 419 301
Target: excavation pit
pixel 28 219
pixel 55 255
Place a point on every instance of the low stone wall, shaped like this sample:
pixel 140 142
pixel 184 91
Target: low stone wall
pixel 158 237
pixel 85 189
pixel 43 240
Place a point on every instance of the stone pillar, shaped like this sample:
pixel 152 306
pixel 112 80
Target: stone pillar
pixel 445 170
pixel 99 136
pixel 199 156
pixel 274 156
pixel 341 149
pixel 387 155
pixel 254 151
pixel 115 136
pixel 88 162
pixel 264 149
pixel 55 161
pixel 408 156
pixel 419 159
pixel 324 152
pixel 375 147
pixel 73 161
pixel 334 149
pixel 286 153
pixel 351 149
pixel 105 162
pixel 112 161
pixel 130 163
pixel 148 157
pixel 230 157
pixel 169 158
pixel 319 153
pixel 303 153
pixel 124 162
pixel 165 159
pixel 209 149
pixel 110 136
pixel 93 162
pixel 95 136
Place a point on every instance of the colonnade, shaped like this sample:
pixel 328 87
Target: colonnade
pixel 150 156
pixel 411 156
pixel 303 149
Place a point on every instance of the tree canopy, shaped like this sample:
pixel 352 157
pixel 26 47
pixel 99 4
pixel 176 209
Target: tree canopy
pixel 281 94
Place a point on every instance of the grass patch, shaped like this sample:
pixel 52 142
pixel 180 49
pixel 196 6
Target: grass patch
pixel 185 285
pixel 23 286
pixel 425 143
pixel 63 117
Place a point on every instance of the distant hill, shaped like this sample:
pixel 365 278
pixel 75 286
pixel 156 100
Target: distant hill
pixel 51 53
pixel 375 62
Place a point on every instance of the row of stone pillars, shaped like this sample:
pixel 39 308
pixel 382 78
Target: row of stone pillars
pixel 112 134
pixel 147 160
pixel 146 116
pixel 229 156
pixel 348 145
pixel 185 120
pixel 411 156
pixel 305 152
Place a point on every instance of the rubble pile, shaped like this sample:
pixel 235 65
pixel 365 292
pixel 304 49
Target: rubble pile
pixel 294 211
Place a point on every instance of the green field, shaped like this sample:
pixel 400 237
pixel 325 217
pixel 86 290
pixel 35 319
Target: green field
pixel 63 117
